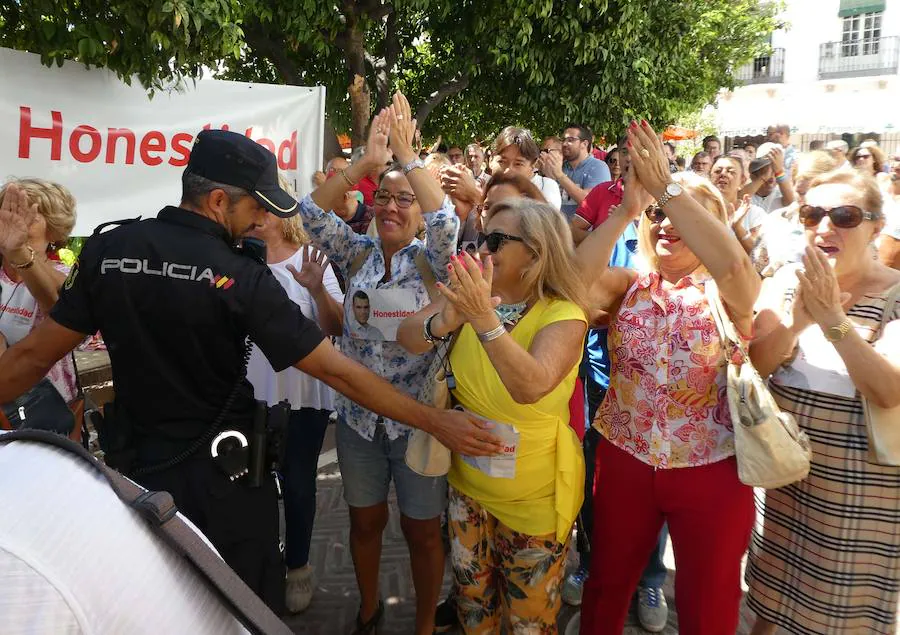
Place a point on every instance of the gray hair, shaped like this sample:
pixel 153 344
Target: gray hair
pixel 194 187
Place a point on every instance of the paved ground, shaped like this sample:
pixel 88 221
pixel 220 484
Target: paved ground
pixel 336 601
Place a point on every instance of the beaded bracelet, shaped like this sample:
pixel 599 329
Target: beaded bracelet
pixel 780 177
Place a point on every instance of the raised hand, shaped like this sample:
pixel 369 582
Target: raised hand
pixel 312 271
pixel 403 129
pixel 822 297
pixel 648 158
pixel 635 198
pixel 379 134
pixel 552 165
pixel 16 220
pixel 458 182
pixel 737 215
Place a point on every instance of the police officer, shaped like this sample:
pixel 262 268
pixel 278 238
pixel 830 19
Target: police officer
pixel 175 303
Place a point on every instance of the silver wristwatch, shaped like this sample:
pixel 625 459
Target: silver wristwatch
pixel 672 190
pixel 413 165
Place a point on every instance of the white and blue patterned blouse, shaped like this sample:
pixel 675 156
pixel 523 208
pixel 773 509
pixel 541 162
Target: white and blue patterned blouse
pixel 388 359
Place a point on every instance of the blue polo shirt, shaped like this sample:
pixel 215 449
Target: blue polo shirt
pixel 589 173
pixel 595 364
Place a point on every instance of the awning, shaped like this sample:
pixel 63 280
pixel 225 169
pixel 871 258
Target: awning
pixel 677 133
pixel 856 7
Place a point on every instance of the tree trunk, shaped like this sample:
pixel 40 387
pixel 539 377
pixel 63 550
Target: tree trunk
pixel 449 88
pixel 332 147
pixel 360 98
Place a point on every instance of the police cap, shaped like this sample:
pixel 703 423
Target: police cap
pixel 233 159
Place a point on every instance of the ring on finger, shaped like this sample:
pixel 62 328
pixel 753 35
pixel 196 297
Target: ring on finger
pixel 645 153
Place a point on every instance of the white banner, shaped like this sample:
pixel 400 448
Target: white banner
pixel 122 153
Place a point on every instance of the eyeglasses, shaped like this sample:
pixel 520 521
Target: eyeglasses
pixel 404 200
pixel 863 156
pixel 844 216
pixel 612 161
pixel 572 140
pixel 655 213
pixel 549 150
pixel 495 240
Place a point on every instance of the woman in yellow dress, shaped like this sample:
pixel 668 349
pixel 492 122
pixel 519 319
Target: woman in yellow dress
pixel 519 311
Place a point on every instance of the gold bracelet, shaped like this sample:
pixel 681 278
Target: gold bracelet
pixel 347 178
pixel 27 265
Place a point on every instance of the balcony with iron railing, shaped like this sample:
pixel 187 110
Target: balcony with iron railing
pixel 765 69
pixel 859 58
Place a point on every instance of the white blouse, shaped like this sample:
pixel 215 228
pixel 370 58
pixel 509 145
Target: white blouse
pixel 301 390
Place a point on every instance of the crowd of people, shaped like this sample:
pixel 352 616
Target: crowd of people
pixel 562 292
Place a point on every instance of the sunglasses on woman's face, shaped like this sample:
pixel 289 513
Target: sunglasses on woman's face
pixel 844 216
pixel 495 240
pixel 655 213
pixel 860 157
pixel 404 199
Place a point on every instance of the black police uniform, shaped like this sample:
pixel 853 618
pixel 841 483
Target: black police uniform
pixel 174 303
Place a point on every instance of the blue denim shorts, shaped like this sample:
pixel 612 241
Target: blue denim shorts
pixel 367 468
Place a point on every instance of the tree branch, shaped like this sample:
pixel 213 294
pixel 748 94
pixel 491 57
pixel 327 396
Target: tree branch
pixel 449 88
pixel 271 48
pixel 384 75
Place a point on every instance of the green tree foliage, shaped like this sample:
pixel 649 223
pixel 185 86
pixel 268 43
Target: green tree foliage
pixel 468 66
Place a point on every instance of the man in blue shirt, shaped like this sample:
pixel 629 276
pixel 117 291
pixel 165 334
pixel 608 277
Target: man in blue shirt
pixel 576 171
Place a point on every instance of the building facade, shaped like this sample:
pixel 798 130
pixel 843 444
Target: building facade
pixel 832 73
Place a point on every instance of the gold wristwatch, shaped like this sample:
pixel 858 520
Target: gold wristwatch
pixel 835 334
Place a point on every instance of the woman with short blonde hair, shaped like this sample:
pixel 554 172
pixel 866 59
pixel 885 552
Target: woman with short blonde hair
pixel 35 214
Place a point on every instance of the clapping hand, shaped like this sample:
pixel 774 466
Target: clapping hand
pixel 312 271
pixel 635 198
pixel 737 215
pixel 379 134
pixel 648 159
pixel 470 287
pixel 403 129
pixel 819 290
pixel 458 182
pixel 16 220
pixel 552 165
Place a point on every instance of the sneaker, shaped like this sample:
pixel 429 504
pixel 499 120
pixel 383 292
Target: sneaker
pixel 299 589
pixel 574 625
pixel 446 619
pixel 653 612
pixel 573 587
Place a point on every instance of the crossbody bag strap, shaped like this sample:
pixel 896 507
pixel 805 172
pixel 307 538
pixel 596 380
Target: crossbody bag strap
pixel 428 276
pixel 159 511
pixel 727 331
pixel 892 297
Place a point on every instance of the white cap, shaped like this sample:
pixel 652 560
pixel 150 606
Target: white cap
pixel 838 144
pixel 763 150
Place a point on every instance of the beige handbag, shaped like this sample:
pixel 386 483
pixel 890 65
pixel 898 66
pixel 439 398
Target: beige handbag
pixel 883 424
pixel 771 449
pixel 426 455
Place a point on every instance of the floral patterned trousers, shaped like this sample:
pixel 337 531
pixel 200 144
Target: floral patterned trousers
pixel 503 576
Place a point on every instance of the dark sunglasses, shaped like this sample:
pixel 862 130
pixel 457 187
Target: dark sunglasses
pixel 844 216
pixel 383 197
pixel 495 240
pixel 655 213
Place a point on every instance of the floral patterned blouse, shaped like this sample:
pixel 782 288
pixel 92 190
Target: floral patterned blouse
pixel 387 359
pixel 667 404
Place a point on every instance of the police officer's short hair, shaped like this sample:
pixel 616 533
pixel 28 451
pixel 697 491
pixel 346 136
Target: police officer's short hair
pixel 361 295
pixel 194 187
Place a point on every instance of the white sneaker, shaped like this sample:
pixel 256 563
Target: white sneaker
pixel 299 589
pixel 653 612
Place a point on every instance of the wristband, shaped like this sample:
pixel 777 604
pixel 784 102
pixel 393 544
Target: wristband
pixel 493 334
pixel 780 177
pixel 25 265
pixel 428 335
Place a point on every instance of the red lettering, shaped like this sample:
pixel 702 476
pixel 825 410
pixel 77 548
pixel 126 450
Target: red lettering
pixel 287 153
pixel 181 143
pixel 75 144
pixel 27 133
pixel 114 135
pixel 153 141
pixel 267 144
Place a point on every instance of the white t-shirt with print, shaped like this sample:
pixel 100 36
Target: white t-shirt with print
pixel 19 315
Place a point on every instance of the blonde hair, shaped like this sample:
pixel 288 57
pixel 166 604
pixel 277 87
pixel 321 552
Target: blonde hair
pixel 292 228
pixel 546 232
pixel 813 164
pixel 55 203
pixel 701 190
pixel 865 186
